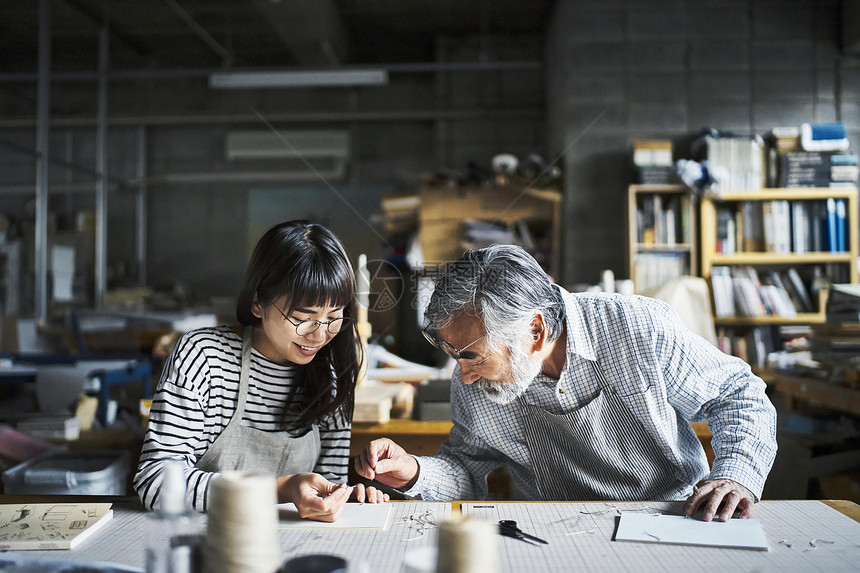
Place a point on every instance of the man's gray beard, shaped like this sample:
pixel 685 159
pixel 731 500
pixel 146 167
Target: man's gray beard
pixel 524 369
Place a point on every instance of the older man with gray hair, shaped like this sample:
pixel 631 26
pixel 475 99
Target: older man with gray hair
pixel 583 396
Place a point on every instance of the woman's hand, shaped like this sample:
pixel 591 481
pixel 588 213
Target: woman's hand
pixel 314 496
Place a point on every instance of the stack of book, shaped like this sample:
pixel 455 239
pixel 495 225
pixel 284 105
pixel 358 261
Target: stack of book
pixel 836 344
pixel 652 159
pixel 400 213
pixel 837 341
pixel 736 163
pixel 784 139
pixel 818 169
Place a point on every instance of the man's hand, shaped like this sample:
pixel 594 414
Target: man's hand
pixel 368 494
pixel 314 496
pixel 723 495
pixel 385 461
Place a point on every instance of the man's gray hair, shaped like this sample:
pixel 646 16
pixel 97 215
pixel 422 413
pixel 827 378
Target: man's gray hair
pixel 505 286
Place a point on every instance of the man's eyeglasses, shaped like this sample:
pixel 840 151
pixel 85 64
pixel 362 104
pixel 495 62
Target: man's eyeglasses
pixel 311 325
pixel 455 353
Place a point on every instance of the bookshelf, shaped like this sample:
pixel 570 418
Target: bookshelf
pixel 755 245
pixel 661 234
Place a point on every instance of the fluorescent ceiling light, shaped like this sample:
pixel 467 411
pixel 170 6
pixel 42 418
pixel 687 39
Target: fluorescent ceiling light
pixel 298 79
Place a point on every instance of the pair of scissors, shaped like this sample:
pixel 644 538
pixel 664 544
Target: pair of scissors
pixel 508 528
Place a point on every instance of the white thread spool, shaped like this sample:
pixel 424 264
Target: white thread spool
pixel 625 287
pixel 242 532
pixel 607 281
pixel 468 545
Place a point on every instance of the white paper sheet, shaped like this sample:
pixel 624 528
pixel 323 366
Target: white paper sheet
pixel 679 530
pixel 353 516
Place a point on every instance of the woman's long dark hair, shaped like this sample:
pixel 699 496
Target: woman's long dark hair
pixel 306 263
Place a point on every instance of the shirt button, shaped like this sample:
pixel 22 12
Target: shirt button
pixel 561 391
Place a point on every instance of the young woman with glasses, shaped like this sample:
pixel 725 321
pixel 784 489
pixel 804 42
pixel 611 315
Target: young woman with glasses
pixel 275 395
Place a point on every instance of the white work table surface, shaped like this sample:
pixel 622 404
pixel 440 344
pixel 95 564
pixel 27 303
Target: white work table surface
pixel 802 536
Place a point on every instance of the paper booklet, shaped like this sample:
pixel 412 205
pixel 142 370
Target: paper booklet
pixel 677 529
pixel 50 525
pixel 352 516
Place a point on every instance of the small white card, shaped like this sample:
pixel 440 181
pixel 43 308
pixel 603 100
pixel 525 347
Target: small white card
pixel 353 516
pixel 677 529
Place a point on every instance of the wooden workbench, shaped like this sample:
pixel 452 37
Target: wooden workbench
pixel 423 438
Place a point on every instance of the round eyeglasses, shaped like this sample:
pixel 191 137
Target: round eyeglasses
pixel 311 325
pixel 447 348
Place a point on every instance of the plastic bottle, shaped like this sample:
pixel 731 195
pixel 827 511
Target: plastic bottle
pixel 174 531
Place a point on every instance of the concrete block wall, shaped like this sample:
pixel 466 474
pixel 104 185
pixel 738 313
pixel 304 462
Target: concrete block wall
pixel 622 70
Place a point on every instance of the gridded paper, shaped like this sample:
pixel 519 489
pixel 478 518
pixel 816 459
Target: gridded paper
pixel 803 535
pixel 352 516
pixel 679 530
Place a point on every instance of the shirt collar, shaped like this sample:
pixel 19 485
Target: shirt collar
pixel 578 341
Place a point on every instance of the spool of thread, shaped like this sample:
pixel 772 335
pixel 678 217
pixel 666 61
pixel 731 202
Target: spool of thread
pixel 625 287
pixel 607 281
pixel 468 545
pixel 242 531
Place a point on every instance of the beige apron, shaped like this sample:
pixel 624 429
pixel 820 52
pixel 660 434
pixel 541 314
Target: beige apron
pixel 598 452
pixel 243 448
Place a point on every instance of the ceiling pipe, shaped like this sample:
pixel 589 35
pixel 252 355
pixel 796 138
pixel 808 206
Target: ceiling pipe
pixel 42 188
pixel 66 164
pixel 101 194
pixel 416 67
pixel 275 117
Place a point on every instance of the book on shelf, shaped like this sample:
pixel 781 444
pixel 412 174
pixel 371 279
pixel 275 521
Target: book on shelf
pixel 797 290
pixel 782 227
pixel 726 231
pixel 752 345
pixel 840 226
pixel 659 219
pixel 749 296
pixel 686 231
pixel 777 227
pixel 773 289
pixel 723 292
pixel 818 169
pixel 662 220
pixel 39 526
pixel 800 227
pixel 744 291
pixel 751 226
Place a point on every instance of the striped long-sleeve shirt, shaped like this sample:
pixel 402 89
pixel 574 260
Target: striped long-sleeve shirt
pixel 665 375
pixel 195 399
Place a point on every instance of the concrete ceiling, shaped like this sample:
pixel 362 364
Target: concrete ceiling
pixel 208 34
